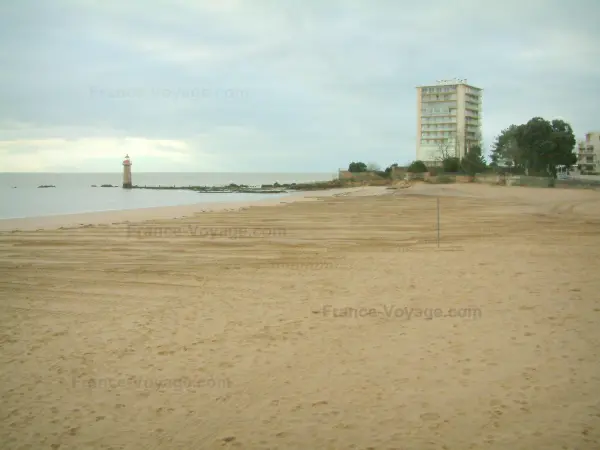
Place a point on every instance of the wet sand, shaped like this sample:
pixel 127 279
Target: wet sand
pixel 334 322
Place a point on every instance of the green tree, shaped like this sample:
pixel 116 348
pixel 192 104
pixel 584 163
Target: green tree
pixel 451 164
pixel 535 143
pixel 537 147
pixel 357 167
pixel 546 145
pixel 505 149
pixel 473 162
pixel 417 166
pixel 563 153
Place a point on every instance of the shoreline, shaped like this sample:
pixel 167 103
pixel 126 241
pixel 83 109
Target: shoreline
pixel 114 217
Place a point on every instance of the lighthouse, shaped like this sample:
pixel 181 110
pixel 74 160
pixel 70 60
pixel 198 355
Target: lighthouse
pixel 127 173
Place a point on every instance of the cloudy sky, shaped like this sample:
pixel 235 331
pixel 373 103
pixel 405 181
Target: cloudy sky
pixel 278 85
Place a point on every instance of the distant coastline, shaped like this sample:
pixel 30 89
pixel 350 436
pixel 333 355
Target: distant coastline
pixel 275 188
pixel 21 197
pixel 22 180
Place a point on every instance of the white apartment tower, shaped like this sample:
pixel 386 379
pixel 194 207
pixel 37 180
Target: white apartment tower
pixel 448 119
pixel 588 156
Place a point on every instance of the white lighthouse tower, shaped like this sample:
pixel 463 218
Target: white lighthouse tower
pixel 127 173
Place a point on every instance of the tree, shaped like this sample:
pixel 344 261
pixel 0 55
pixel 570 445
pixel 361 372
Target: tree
pixel 473 162
pixel 451 164
pixel 547 144
pixel 357 167
pixel 564 141
pixel 536 147
pixel 417 166
pixel 446 155
pixel 446 149
pixel 506 151
pixel 535 143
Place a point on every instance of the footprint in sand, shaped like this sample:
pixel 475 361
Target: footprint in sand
pixel 430 416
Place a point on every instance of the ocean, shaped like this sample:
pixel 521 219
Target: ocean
pixel 73 194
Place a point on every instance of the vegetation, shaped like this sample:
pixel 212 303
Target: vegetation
pixel 417 166
pixel 473 162
pixel 389 169
pixel 373 168
pixel 451 164
pixel 535 148
pixel 357 167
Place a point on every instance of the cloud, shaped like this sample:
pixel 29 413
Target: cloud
pixel 100 154
pixel 262 86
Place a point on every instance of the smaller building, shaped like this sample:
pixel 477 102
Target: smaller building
pixel 588 153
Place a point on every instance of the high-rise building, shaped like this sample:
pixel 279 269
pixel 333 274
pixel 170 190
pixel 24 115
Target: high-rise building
pixel 448 120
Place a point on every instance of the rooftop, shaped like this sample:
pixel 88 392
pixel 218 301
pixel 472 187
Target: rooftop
pixel 451 82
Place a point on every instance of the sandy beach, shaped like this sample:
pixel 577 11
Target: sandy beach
pixel 332 321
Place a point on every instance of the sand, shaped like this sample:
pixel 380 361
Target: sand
pixel 330 323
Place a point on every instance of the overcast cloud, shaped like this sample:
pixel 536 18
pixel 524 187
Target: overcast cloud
pixel 275 86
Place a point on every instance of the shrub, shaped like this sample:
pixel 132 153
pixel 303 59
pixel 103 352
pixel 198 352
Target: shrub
pixel 357 167
pixel 451 164
pixel 417 167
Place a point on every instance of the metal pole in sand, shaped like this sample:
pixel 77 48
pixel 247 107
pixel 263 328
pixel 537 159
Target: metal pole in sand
pixel 438 222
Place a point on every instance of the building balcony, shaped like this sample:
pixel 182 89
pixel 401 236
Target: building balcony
pixel 447 112
pixel 438 126
pixel 437 100
pixel 442 118
pixel 585 161
pixel 585 152
pixel 435 136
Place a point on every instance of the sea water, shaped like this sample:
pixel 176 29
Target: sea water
pixel 20 196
